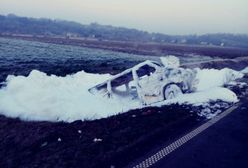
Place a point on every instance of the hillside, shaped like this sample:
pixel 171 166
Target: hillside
pixel 12 24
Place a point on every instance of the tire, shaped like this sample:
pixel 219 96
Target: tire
pixel 172 91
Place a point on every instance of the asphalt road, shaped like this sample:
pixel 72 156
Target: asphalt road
pixel 223 145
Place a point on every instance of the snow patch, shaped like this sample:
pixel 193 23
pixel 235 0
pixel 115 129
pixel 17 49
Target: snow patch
pixel 245 70
pixel 200 97
pixel 42 97
pixel 210 78
pixel 53 98
pixel 170 61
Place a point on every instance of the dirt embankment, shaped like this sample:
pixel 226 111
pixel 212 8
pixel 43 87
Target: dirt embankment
pixel 101 143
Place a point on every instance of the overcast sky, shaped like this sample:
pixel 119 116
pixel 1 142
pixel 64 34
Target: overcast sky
pixel 165 16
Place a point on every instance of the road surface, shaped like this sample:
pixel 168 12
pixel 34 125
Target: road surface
pixel 224 144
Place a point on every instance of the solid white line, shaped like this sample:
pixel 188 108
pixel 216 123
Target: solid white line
pixel 178 143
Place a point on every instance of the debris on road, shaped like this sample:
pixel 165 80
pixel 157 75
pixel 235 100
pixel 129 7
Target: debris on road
pixel 97 140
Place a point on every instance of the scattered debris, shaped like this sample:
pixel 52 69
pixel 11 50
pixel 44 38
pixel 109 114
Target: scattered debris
pixel 210 110
pixel 97 140
pixel 44 144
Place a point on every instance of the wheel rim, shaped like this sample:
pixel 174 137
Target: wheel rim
pixel 172 91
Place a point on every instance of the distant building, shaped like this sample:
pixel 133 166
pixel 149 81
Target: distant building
pixel 71 35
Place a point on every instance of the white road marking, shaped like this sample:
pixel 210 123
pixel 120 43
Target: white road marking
pixel 173 146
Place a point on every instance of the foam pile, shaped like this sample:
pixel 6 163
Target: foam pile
pixel 41 97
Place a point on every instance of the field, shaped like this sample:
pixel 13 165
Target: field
pixel 155 49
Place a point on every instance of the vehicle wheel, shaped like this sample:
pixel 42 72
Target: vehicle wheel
pixel 172 91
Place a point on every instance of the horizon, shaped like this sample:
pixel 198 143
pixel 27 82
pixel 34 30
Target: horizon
pixel 193 18
pixel 246 34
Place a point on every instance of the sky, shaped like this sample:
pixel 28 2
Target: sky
pixel 164 16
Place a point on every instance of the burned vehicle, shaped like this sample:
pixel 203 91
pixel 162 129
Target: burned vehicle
pixel 150 81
